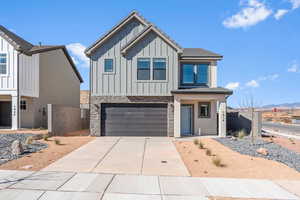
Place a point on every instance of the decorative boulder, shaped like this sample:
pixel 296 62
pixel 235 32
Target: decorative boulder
pixel 17 148
pixel 262 151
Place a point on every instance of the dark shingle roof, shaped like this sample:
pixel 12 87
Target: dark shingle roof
pixel 19 43
pixel 198 52
pixel 203 90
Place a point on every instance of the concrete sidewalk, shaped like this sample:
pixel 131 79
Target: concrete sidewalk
pixel 124 155
pixel 17 185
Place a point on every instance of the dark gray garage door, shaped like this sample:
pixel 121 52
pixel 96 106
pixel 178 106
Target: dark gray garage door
pixel 134 119
pixel 5 114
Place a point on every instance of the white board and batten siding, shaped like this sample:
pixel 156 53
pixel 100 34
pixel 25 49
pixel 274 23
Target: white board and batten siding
pixel 123 81
pixel 9 81
pixel 28 72
pixel 29 75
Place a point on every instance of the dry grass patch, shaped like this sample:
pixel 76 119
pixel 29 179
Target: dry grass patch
pixel 234 164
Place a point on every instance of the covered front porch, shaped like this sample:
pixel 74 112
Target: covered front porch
pixel 200 113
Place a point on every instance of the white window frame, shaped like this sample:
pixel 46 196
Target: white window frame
pixel 2 52
pixel 114 65
pixel 151 70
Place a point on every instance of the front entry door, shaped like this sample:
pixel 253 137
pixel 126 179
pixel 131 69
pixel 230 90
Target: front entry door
pixel 5 114
pixel 186 119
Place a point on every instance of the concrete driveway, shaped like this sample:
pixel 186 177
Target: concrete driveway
pixel 124 155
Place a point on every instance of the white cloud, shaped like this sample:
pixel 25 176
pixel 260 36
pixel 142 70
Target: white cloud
pixel 295 3
pixel 252 83
pixel 253 13
pixel 232 85
pixel 271 77
pixel 77 52
pixel 280 13
pixel 294 67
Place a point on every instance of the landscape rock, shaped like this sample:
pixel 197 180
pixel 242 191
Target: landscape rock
pixel 27 167
pixel 17 148
pixel 262 151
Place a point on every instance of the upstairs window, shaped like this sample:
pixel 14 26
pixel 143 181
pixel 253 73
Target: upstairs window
pixel 108 65
pixel 143 69
pixel 204 110
pixel 159 69
pixel 194 74
pixel 3 63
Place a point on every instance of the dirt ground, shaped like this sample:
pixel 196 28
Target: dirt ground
pixel 291 144
pixel 45 157
pixel 235 165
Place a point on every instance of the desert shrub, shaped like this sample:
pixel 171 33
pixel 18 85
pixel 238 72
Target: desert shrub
pixel 201 145
pixel 291 140
pixel 29 140
pixel 46 137
pixel 196 141
pixel 208 152
pixel 57 141
pixel 216 160
pixel 241 134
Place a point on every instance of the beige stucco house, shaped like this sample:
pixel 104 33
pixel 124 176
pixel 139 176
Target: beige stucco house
pixel 32 76
pixel 145 84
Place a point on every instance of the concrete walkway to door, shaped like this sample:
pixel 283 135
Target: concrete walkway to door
pixel 124 155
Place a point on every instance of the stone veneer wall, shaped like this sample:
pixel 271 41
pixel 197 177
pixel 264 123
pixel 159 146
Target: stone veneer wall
pixel 95 110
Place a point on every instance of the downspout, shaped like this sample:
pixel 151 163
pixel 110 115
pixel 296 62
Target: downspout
pixel 18 92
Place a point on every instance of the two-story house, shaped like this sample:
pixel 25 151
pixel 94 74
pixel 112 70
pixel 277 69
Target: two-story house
pixel 144 84
pixel 32 76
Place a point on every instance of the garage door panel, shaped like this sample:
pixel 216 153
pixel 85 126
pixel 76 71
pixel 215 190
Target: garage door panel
pixel 134 119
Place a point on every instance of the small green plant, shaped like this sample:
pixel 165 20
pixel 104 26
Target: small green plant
pixel 196 141
pixel 57 141
pixel 201 145
pixel 46 137
pixel 29 140
pixel 216 160
pixel 241 134
pixel 208 152
pixel 292 141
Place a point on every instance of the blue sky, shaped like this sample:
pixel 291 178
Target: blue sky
pixel 260 39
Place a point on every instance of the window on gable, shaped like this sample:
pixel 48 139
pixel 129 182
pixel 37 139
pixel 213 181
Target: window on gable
pixel 3 63
pixel 143 69
pixel 159 69
pixel 108 65
pixel 23 105
pixel 204 110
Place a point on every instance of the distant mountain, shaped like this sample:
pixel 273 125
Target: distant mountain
pixel 285 105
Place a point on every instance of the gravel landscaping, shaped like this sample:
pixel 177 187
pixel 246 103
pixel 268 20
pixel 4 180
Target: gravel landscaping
pixel 5 146
pixel 275 151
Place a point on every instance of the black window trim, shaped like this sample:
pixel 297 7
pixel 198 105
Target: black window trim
pixel 209 109
pixel 195 77
pixel 23 105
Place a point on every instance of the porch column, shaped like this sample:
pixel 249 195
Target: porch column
pixel 177 117
pixel 14 112
pixel 222 119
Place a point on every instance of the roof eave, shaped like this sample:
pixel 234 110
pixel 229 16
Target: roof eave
pixel 201 57
pixel 202 92
pixel 106 36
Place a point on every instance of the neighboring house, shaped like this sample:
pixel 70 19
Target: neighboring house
pixel 144 84
pixel 296 119
pixel 32 77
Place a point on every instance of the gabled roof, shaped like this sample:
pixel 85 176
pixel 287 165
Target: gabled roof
pixel 19 43
pixel 133 14
pixel 144 32
pixel 199 53
pixel 27 48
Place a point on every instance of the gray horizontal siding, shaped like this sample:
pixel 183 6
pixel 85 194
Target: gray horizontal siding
pixel 123 81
